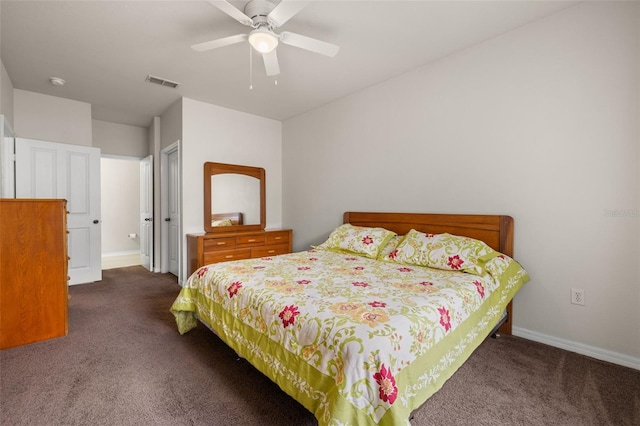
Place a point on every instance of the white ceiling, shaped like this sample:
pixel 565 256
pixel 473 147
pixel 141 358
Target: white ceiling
pixel 105 49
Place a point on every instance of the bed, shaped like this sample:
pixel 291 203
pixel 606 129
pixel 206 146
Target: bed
pixel 360 329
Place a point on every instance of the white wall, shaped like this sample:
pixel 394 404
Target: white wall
pixel 154 150
pixel 50 118
pixel 6 95
pixel 171 124
pixel 213 133
pixel 120 139
pixel 540 123
pixel 120 200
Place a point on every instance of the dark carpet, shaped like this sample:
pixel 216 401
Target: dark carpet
pixel 124 363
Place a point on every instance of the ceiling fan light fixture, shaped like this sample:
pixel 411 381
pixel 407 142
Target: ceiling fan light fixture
pixel 263 40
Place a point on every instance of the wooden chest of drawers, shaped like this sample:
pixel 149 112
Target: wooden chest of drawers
pixel 203 249
pixel 33 271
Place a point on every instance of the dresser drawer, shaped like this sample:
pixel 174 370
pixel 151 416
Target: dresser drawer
pixel 277 237
pixel 270 250
pixel 205 249
pixel 223 256
pixel 219 243
pixel 251 239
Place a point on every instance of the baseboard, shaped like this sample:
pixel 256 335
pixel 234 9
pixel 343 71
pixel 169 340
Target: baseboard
pixel 580 348
pixel 120 259
pixel 120 253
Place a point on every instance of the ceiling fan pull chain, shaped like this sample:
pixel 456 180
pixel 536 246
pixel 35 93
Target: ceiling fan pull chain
pixel 250 69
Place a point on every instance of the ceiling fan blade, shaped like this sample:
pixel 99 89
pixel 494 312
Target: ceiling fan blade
pixel 271 63
pixel 230 10
pixel 221 42
pixel 308 43
pixel 285 11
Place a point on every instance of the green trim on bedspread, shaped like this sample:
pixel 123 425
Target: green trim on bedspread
pixel 323 393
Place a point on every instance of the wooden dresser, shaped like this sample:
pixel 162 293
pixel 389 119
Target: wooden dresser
pixel 33 271
pixel 203 249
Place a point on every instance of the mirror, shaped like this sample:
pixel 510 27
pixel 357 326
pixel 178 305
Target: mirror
pixel 234 198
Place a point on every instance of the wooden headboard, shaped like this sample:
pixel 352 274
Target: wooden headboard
pixel 495 230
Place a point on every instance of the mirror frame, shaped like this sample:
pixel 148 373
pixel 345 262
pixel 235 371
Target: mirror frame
pixel 212 169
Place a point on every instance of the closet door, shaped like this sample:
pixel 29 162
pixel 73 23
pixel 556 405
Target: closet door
pixel 173 218
pixel 72 172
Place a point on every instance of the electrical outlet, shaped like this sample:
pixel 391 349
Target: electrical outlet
pixel 577 296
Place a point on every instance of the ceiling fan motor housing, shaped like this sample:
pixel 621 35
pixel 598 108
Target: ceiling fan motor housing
pixel 258 10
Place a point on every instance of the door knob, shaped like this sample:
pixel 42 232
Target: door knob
pixel 167 219
pixel 96 221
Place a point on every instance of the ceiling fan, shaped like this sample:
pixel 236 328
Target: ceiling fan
pixel 264 17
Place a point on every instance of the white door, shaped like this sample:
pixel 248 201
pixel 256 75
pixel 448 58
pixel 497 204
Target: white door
pixel 146 212
pixel 55 170
pixel 173 210
pixel 7 167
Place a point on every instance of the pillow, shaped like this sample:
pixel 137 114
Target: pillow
pixel 221 222
pixel 387 252
pixel 358 240
pixel 496 263
pixel 455 253
pixel 413 249
pixel 443 251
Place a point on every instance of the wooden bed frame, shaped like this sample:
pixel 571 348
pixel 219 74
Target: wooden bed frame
pixel 495 230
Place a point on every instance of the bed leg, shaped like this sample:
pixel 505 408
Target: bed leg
pixel 495 333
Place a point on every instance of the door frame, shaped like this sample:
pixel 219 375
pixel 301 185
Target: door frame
pixel 148 190
pixel 164 208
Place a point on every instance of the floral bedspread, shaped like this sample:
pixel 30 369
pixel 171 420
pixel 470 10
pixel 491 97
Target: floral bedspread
pixel 355 340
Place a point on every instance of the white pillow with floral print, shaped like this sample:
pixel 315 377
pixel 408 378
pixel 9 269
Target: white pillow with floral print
pixel 496 263
pixel 387 252
pixel 413 249
pixel 358 240
pixel 442 251
pixel 455 253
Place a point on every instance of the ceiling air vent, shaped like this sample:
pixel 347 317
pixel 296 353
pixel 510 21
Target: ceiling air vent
pixel 161 81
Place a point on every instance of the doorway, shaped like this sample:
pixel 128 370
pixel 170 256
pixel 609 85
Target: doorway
pixel 120 199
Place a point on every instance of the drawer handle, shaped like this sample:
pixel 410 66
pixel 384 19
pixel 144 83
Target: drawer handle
pixel 221 243
pixel 229 256
pixel 271 251
pixel 278 238
pixel 252 240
